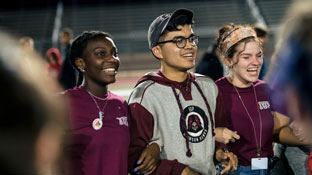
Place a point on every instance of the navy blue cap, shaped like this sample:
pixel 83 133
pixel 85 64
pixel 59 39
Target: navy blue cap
pixel 159 25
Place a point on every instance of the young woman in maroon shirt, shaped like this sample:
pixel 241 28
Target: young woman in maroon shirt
pixel 247 101
pixel 99 118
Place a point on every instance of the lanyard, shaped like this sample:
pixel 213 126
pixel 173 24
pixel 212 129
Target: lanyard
pixel 252 122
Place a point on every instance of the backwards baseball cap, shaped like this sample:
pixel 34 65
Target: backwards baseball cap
pixel 159 25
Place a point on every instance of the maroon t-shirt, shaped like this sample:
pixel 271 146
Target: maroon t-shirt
pixel 246 148
pixel 103 151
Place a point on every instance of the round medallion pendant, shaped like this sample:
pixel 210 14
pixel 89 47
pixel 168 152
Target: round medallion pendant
pixel 97 124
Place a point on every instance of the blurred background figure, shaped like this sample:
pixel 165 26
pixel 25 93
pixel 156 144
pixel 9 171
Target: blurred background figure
pixel 291 160
pixel 210 64
pixel 27 44
pixel 32 117
pixel 43 20
pixel 263 35
pixel 54 63
pixel 68 75
pixel 66 36
pixel 292 69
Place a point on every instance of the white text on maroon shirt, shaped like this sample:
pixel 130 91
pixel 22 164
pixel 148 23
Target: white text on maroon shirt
pixel 264 105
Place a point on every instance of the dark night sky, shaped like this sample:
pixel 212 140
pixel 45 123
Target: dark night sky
pixel 27 4
pixel 20 4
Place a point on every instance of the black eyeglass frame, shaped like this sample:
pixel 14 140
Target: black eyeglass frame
pixel 184 39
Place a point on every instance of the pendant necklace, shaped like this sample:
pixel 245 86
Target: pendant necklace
pixel 98 122
pixel 252 122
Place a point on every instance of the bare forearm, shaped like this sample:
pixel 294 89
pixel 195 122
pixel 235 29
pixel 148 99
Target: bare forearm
pixel 286 136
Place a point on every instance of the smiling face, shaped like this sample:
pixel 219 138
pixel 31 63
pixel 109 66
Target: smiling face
pixel 172 58
pixel 246 64
pixel 100 61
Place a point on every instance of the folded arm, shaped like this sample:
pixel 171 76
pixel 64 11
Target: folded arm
pixel 141 131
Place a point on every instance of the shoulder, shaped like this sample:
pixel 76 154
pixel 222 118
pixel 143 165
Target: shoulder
pixel 225 86
pixel 71 92
pixel 74 95
pixel 221 81
pixel 262 85
pixel 144 83
pixel 206 82
pixel 140 90
pixel 204 79
pixel 116 97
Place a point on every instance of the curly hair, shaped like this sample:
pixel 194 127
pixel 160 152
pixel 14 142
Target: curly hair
pixel 224 32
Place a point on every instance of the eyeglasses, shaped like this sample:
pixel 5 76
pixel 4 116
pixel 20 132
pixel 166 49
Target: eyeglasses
pixel 181 41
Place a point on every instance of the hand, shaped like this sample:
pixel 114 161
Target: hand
pixel 298 130
pixel 148 160
pixel 225 135
pixel 228 160
pixel 188 171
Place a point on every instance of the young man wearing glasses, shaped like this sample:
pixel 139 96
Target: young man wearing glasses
pixel 174 112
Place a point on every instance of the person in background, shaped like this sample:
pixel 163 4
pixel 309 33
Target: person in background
pixel 54 63
pixel 27 44
pixel 210 64
pixel 32 120
pixel 99 118
pixel 287 159
pixel 247 101
pixel 263 36
pixel 68 74
pixel 177 115
pixel 66 36
pixel 291 73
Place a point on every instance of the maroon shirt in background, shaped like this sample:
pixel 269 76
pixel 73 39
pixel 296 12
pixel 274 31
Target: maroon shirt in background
pixel 103 151
pixel 245 148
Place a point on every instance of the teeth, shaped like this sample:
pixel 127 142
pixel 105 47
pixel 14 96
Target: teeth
pixel 109 70
pixel 188 55
pixel 253 69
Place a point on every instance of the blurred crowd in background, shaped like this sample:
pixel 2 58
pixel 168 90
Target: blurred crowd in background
pixel 37 66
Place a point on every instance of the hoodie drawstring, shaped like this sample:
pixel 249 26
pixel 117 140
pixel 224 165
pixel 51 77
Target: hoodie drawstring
pixel 207 104
pixel 188 153
pixel 188 90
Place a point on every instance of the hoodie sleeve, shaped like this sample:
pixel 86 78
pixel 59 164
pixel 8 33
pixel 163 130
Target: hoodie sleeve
pixel 141 131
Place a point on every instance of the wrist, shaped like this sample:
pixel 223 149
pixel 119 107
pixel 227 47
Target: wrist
pixel 220 154
pixel 159 146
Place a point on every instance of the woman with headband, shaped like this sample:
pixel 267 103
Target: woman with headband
pixel 247 101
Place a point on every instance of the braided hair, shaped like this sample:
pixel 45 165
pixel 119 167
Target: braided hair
pixel 78 46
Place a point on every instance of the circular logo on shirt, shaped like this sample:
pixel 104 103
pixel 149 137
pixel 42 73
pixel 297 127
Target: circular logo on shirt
pixel 195 124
